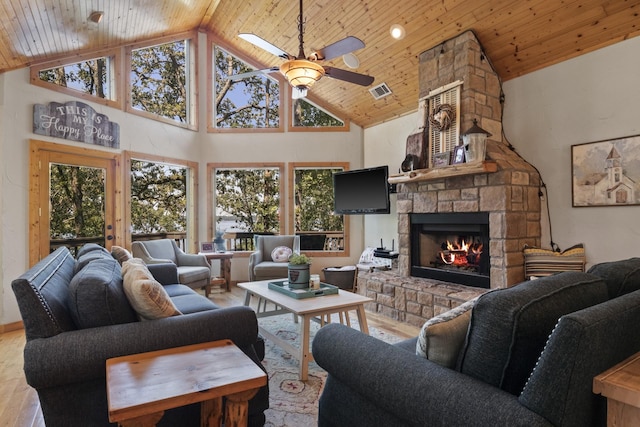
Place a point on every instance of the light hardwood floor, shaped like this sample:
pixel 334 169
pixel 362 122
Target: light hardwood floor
pixel 19 405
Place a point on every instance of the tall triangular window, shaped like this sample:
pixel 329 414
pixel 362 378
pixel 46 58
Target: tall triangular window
pixel 252 101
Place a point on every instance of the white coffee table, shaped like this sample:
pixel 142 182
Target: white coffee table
pixel 307 309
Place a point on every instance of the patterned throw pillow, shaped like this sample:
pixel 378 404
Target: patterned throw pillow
pixel 148 297
pixel 540 262
pixel 281 254
pixel 442 336
pixel 120 254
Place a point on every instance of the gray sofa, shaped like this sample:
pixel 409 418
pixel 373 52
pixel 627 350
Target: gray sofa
pixel 76 316
pixel 529 358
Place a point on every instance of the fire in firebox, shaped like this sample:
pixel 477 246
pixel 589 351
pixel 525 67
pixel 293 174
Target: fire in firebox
pixel 463 254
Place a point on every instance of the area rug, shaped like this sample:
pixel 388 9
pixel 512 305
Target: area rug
pixel 294 403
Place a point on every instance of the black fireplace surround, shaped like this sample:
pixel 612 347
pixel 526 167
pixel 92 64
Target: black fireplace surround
pixel 452 247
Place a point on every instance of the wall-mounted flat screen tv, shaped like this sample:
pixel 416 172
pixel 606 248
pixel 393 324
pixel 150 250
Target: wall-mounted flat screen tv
pixel 362 191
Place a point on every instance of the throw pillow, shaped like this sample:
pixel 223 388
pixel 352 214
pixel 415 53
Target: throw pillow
pixel 88 253
pixel 146 295
pixel 96 295
pixel 281 254
pixel 89 247
pixel 540 262
pixel 442 336
pixel 120 254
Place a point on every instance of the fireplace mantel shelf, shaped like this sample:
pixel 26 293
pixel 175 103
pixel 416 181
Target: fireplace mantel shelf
pixel 418 175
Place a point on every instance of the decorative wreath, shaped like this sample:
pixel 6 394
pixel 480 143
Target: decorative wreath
pixel 442 117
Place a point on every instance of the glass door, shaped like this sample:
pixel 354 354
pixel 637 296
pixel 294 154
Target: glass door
pixel 73 201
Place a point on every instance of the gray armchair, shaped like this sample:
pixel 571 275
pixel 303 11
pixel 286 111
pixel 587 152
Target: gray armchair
pixel 193 270
pixel 261 266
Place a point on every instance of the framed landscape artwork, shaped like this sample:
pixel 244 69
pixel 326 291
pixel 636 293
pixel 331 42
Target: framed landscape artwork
pixel 606 173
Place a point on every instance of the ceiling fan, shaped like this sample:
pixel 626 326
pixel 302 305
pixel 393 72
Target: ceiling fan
pixel 303 71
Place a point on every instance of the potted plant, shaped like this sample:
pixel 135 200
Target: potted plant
pixel 299 271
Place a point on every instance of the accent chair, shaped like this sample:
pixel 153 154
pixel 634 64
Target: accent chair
pixel 261 263
pixel 193 270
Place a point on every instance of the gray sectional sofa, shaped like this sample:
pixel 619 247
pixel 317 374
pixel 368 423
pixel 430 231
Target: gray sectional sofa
pixel 76 316
pixel 528 359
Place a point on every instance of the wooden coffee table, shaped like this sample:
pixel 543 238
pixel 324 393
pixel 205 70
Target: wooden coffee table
pixel 140 387
pixel 307 309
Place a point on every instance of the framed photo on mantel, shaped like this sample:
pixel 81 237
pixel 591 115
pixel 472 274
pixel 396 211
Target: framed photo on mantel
pixel 441 159
pixel 458 155
pixel 606 173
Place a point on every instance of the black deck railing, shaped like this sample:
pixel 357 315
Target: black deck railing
pixel 309 240
pixel 242 240
pixel 76 243
pixel 235 241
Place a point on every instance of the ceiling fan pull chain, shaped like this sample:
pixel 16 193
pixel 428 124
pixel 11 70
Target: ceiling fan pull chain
pixel 300 34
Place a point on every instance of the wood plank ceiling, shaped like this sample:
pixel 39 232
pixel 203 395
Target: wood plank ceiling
pixel 519 36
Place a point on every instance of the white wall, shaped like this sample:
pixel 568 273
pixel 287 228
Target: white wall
pixel 17 97
pixel 590 98
pixel 385 144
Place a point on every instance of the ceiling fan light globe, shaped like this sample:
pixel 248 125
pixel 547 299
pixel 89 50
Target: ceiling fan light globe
pixel 298 92
pixel 301 72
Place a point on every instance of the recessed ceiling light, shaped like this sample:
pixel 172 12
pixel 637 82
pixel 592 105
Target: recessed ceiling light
pixel 397 31
pixel 350 60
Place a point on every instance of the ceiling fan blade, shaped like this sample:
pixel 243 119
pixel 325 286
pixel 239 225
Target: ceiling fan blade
pixel 348 76
pixel 253 73
pixel 339 48
pixel 263 44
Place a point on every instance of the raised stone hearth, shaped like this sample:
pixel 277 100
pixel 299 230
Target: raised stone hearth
pixel 510 195
pixel 411 299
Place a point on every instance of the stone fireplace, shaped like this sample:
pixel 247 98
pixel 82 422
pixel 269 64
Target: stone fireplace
pixel 504 189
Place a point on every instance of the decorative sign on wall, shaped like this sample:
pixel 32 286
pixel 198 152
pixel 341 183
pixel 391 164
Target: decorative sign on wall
pixel 75 121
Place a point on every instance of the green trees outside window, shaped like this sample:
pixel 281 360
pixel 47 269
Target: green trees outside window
pixel 162 83
pixel 159 80
pixel 77 202
pixel 158 198
pixel 306 114
pixel 248 199
pixel 92 77
pixel 313 198
pixel 251 102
